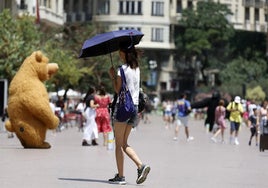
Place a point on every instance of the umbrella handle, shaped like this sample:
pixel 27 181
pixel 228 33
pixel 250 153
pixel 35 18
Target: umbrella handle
pixel 111 59
pixel 131 45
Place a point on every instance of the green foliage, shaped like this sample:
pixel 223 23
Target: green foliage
pixel 256 94
pixel 205 29
pixel 241 71
pixel 206 35
pixel 69 72
pixel 248 44
pixel 18 38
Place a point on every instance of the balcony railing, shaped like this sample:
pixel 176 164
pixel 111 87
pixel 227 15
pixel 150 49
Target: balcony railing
pixel 78 17
pixel 254 3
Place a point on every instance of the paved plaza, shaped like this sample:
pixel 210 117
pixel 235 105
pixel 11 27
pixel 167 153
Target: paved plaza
pixel 174 164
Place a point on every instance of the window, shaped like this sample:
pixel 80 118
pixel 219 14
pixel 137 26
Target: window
pixel 179 6
pixel 247 14
pixel 104 7
pixel 163 86
pixel 157 34
pixel 157 8
pixel 126 28
pixel 47 3
pixel 257 14
pixel 133 7
pixel 23 5
pixel 190 4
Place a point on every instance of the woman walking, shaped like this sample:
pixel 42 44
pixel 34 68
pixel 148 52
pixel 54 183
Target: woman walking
pixel 220 113
pixel 90 130
pixel 130 66
pixel 102 113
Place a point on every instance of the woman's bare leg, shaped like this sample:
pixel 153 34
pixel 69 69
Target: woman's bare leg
pixel 122 132
pixel 119 129
pixel 129 150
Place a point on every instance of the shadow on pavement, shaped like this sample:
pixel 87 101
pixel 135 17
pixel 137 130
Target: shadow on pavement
pixel 85 180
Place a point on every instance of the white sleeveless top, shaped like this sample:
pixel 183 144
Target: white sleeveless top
pixel 133 81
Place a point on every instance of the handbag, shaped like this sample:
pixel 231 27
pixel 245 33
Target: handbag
pixel 125 107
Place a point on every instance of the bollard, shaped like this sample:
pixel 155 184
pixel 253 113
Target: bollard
pixel 110 145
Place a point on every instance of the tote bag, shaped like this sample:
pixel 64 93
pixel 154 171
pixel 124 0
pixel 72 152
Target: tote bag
pixel 125 106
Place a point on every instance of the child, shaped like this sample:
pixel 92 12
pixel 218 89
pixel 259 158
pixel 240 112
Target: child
pixel 253 123
pixel 220 113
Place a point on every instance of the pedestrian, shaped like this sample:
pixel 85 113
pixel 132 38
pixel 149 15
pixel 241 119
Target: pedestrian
pixel 147 111
pixel 80 110
pixel 236 111
pixel 184 108
pixel 167 114
pixel 263 113
pixel 102 113
pixel 129 56
pixel 220 113
pixel 60 104
pixel 90 130
pixel 210 103
pixel 173 112
pixel 53 108
pixel 4 117
pixel 253 124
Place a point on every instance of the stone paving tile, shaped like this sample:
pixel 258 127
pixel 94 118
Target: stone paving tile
pixel 199 163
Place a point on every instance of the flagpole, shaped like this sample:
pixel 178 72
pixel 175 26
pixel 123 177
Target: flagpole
pixel 37 20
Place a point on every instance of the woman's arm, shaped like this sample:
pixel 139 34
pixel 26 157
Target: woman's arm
pixel 116 80
pixel 92 104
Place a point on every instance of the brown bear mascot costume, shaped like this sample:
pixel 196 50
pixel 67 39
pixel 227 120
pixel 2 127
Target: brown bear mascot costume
pixel 30 114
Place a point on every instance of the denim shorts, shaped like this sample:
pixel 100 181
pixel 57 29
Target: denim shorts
pixel 133 121
pixel 234 126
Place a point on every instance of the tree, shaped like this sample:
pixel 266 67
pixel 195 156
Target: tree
pixel 204 34
pixel 242 71
pixel 18 38
pixel 69 72
pixel 256 94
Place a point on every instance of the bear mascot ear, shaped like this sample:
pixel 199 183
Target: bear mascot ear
pixel 38 56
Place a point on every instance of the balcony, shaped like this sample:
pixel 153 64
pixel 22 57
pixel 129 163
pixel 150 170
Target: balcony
pixel 254 3
pixel 23 7
pixel 78 17
pixel 48 14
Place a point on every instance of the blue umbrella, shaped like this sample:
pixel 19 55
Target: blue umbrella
pixel 109 42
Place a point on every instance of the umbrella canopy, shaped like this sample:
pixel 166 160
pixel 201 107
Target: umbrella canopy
pixel 109 42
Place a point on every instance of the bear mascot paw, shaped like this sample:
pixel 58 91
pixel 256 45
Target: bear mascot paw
pixel 30 114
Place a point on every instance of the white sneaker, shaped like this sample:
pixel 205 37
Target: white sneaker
pixel 236 142
pixel 190 138
pixel 175 138
pixel 214 139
